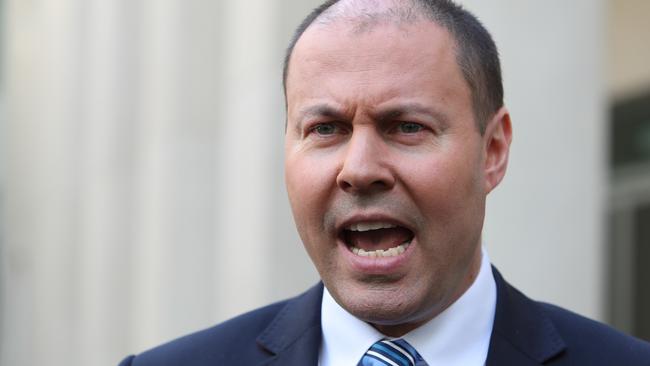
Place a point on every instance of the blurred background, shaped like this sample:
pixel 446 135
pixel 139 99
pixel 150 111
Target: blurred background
pixel 141 174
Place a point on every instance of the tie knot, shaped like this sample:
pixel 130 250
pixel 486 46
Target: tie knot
pixel 393 353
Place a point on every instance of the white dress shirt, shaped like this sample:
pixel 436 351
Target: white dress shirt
pixel 459 336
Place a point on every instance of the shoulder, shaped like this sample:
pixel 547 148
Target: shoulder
pixel 213 345
pixel 249 339
pixel 591 341
pixel 533 332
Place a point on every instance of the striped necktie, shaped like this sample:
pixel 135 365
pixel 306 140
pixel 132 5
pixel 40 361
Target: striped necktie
pixel 392 353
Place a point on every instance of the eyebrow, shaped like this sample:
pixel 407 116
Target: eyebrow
pixel 382 115
pixel 324 110
pixel 391 113
pixel 319 110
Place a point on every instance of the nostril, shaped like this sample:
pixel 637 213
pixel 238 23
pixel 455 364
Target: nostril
pixel 379 183
pixel 345 185
pixel 365 178
pixel 364 186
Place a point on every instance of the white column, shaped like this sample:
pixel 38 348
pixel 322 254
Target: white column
pixel 248 123
pixel 105 173
pixel 40 207
pixel 173 260
pixel 154 176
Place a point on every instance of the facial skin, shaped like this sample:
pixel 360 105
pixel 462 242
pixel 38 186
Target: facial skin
pixel 381 130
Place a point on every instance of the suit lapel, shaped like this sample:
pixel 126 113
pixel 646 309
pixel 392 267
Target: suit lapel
pixel 293 337
pixel 522 333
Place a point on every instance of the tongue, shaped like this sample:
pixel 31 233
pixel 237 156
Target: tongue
pixel 378 239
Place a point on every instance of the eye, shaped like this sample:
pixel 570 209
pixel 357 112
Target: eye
pixel 325 129
pixel 409 127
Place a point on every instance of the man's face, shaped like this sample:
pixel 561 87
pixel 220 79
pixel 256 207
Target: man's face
pixel 385 169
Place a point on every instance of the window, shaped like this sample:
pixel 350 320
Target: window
pixel 630 216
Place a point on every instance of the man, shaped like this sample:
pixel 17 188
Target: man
pixel 396 132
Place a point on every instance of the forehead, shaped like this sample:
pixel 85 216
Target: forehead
pixel 378 63
pixel 350 43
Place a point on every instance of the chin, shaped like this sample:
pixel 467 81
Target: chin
pixel 383 304
pixel 391 318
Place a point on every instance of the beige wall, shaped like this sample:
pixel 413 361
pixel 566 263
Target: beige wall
pixel 628 52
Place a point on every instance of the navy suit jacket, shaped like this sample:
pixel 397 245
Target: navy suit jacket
pixel 288 333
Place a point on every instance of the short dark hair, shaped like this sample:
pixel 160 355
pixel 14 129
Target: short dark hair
pixel 477 54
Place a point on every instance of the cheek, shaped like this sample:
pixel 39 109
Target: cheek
pixel 448 191
pixel 308 185
pixel 440 182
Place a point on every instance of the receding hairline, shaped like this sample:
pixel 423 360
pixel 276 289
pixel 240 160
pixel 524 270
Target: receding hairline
pixel 345 28
pixel 358 19
pixel 475 50
pixel 363 15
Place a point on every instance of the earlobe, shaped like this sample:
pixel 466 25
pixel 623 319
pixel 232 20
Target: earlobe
pixel 497 137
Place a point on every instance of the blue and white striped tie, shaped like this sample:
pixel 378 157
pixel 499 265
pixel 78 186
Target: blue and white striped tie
pixel 392 353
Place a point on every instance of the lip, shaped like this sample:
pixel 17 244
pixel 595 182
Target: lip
pixel 376 217
pixel 375 265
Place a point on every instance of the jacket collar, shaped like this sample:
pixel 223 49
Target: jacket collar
pixel 294 335
pixel 522 334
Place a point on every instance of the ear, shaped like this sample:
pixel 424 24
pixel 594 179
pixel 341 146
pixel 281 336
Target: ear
pixel 497 138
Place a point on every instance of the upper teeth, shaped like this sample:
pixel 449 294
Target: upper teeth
pixel 367 226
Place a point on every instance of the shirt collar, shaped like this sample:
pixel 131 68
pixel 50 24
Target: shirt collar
pixel 460 335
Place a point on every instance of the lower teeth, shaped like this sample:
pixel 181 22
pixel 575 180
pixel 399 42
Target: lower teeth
pixel 392 252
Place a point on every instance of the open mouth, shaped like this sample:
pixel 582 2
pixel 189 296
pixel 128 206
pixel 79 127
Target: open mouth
pixel 376 239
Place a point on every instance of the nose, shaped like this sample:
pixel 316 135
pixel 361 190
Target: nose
pixel 365 168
